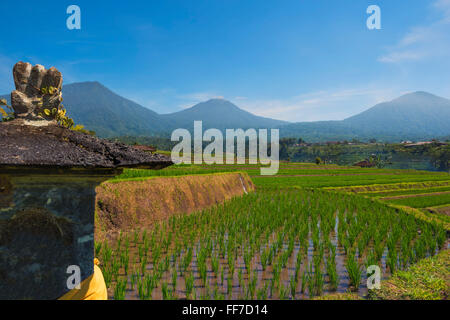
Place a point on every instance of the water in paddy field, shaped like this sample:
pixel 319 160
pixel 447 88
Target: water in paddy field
pixel 263 277
pixel 216 289
pixel 270 245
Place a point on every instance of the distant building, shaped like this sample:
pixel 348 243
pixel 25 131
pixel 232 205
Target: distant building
pixel 365 164
pixel 303 144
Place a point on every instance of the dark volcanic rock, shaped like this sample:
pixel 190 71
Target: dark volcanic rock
pixel 54 146
pixel 36 141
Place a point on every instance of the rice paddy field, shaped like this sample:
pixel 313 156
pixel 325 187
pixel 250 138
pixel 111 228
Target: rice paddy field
pixel 309 231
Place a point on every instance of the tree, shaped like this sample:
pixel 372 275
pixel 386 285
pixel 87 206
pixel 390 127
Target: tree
pixel 284 154
pixel 440 157
pixel 378 161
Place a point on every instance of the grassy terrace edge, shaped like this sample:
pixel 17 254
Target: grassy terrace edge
pixel 374 188
pixel 421 215
pixel 144 178
pixel 429 279
pixel 418 201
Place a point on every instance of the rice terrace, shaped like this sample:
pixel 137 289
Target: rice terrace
pixel 238 158
pixel 309 232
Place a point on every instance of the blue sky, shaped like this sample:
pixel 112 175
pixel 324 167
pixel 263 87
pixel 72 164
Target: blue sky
pixel 293 60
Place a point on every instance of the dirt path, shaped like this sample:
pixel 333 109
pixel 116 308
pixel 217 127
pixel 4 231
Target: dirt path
pixel 440 210
pixel 415 195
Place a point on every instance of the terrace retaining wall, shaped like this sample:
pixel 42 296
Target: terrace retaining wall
pixel 131 204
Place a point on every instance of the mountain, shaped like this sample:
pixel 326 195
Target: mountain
pixel 414 116
pixel 418 113
pixel 220 114
pixel 320 131
pixel 108 114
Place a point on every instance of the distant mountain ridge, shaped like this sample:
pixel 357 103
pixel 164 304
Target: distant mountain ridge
pixel 418 112
pixel 220 114
pixel 414 116
pixel 110 115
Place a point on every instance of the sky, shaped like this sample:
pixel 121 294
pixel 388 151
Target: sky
pixel 302 60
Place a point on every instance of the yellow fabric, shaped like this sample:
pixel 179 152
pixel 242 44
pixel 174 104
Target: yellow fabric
pixel 92 288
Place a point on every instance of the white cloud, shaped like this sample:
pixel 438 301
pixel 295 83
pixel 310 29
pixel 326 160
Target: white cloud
pixel 401 56
pixel 333 104
pixel 167 100
pixel 424 42
pixel 443 5
pixel 320 105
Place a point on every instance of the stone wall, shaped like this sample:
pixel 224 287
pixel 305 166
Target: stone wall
pixel 46 225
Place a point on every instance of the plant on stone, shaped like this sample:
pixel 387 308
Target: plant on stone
pixel 6 115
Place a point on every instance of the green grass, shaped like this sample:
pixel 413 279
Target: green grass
pixel 422 201
pixel 340 181
pixel 426 280
pixel 392 186
pixel 168 172
pixel 285 169
pixel 342 171
pixel 441 217
pixel 274 222
pixel 260 227
pixel 405 192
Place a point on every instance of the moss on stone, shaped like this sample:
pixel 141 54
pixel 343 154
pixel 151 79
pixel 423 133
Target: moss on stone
pixel 36 221
pixel 6 192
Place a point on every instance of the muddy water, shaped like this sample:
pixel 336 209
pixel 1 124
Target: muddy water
pixel 264 277
pixel 216 289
